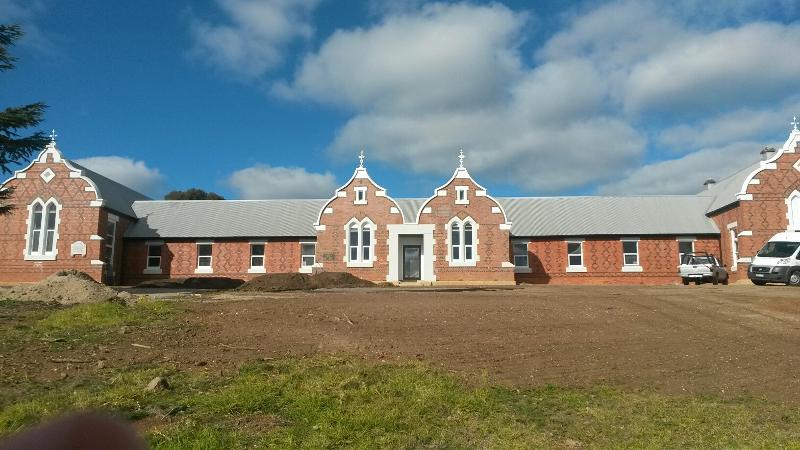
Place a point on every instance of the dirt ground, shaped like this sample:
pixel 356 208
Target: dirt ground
pixel 728 341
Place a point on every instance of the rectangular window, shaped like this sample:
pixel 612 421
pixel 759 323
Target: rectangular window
pixel 307 254
pixel 630 253
pixel 520 250
pixel 685 247
pixel 365 242
pixel 361 195
pixel 154 256
pixel 455 243
pixel 256 255
pixel 575 254
pixel 461 195
pixel 204 255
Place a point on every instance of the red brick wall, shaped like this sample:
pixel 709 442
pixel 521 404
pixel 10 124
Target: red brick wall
pixel 78 222
pixel 331 242
pixel 602 257
pixel 764 215
pixel 230 258
pixel 492 246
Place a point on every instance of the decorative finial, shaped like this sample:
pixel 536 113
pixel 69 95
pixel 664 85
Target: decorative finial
pixel 794 123
pixel 361 159
pixel 53 136
pixel 461 158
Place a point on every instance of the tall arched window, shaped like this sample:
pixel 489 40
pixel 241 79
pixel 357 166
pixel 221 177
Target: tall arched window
pixel 360 245
pixel 43 229
pixel 462 241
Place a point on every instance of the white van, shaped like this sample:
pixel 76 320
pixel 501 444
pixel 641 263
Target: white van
pixel 778 261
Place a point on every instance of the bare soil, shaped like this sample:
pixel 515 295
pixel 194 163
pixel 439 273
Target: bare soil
pixel 728 341
pixel 279 282
pixel 66 287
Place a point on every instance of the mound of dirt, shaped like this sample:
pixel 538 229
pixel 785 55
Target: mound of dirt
pixel 327 280
pixel 192 283
pixel 65 287
pixel 276 282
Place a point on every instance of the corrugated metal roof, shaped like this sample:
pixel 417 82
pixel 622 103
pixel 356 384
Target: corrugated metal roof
pixel 117 197
pixel 530 216
pixel 225 218
pixel 724 191
pixel 410 207
pixel 586 216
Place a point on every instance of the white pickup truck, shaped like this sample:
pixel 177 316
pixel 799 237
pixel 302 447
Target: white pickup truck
pixel 778 261
pixel 701 266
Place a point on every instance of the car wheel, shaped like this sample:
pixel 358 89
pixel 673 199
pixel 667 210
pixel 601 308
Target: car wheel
pixel 759 282
pixel 794 278
pixel 715 279
pixel 685 281
pixel 697 282
pixel 725 281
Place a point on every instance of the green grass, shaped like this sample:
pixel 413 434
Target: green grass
pixel 341 402
pixel 25 323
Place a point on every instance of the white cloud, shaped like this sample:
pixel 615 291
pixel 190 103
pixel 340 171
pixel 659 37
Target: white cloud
pixel 263 181
pixel 754 63
pixel 255 37
pixel 126 171
pixel 741 124
pixel 422 81
pixel 686 175
pixel 444 56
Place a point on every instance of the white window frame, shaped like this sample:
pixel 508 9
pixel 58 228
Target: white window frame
pixel 210 267
pixel 40 253
pixel 680 240
pixel 306 268
pixel 462 190
pixel 574 267
pixel 526 268
pixel 258 268
pixel 732 228
pixel 148 269
pixel 360 245
pixel 793 208
pixel 361 195
pixel 626 267
pixel 462 260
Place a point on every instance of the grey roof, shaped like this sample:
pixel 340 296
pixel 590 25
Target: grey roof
pixel 116 196
pixel 530 216
pixel 224 218
pixel 410 207
pixel 724 191
pixel 586 216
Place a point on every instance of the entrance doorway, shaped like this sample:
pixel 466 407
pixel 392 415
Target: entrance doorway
pixel 412 267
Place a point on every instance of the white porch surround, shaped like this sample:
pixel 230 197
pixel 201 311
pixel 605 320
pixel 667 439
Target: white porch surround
pixel 395 252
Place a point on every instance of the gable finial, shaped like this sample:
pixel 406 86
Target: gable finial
pixel 794 123
pixel 461 158
pixel 361 158
pixel 53 136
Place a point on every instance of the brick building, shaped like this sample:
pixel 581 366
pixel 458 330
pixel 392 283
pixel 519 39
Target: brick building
pixel 68 217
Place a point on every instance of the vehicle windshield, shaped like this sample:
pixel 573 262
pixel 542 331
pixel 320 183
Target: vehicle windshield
pixel 778 249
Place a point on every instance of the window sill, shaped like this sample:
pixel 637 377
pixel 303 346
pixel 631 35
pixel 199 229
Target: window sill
pixel 462 263
pixel 359 264
pixel 257 270
pixel 576 269
pixel 361 202
pixel 306 269
pixel 632 269
pixel 462 202
pixel 522 270
pixel 41 257
pixel 152 271
pixel 204 270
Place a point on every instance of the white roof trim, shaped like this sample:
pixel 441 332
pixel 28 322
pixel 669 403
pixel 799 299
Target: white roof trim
pixel 360 173
pixel 461 172
pixel 788 147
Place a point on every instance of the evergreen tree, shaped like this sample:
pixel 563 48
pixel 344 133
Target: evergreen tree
pixel 14 147
pixel 193 194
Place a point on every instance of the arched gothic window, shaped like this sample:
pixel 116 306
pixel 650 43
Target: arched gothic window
pixel 360 245
pixel 43 229
pixel 462 241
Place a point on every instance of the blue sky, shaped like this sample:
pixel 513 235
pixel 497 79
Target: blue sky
pixel 274 98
